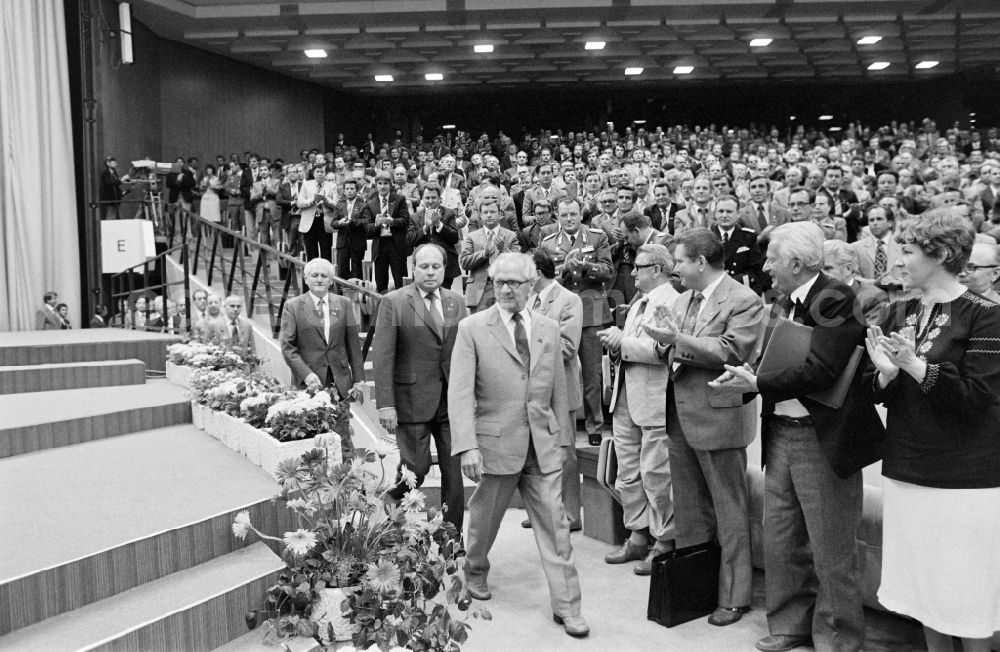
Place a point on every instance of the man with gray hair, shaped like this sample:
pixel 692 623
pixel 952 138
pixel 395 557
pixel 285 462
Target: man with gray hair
pixel 840 262
pixel 983 270
pixel 639 422
pixel 813 455
pixel 509 422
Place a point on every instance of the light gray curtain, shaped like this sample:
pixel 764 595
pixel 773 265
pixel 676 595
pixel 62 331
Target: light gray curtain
pixel 38 218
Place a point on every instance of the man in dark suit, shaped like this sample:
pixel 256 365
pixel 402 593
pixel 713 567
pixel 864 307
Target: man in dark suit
pixel 813 456
pixel 716 321
pixel 843 200
pixel 414 337
pixel 744 261
pixel 510 422
pixel 431 224
pixel 291 214
pixel 761 214
pixel 661 213
pixel 386 220
pixel 319 337
pixel 348 223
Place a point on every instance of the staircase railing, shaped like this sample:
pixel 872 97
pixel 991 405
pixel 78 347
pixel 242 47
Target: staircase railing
pixel 125 289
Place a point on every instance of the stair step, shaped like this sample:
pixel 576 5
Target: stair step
pixel 39 420
pixel 87 345
pixel 109 515
pixel 195 609
pixel 71 375
pixel 253 642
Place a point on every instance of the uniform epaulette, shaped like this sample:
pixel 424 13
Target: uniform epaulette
pixel 748 230
pixel 551 235
pixel 592 230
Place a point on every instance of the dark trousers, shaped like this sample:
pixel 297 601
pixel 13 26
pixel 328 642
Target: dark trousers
pixel 811 519
pixel 317 241
pixel 389 258
pixel 590 365
pixel 414 442
pixel 349 262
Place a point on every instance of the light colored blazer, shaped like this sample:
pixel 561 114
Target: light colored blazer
pixel 219 330
pixel 305 199
pixel 47 320
pixel 645 376
pixel 777 215
pixel 725 332
pixel 473 259
pixel 567 309
pixel 866 248
pixel 496 405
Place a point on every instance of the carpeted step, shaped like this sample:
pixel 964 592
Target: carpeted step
pixel 87 345
pixel 71 375
pixel 200 608
pixel 86 522
pixel 39 420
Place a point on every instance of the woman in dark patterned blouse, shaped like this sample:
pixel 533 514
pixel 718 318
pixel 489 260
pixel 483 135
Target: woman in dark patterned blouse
pixel 936 367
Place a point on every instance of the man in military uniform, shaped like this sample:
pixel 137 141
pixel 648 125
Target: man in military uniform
pixel 583 266
pixel 744 261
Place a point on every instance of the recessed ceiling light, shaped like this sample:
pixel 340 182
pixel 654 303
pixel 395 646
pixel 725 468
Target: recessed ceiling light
pixel 594 45
pixel 485 48
pixel 760 42
pixel 926 65
pixel 447 126
pixel 826 116
pixel 792 118
pixel 316 54
pixel 834 129
pixel 633 71
pixel 869 40
pixel 433 76
pixel 383 78
pixel 879 65
pixel 639 122
pixel 683 70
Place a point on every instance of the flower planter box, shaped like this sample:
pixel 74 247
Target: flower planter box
pixel 179 374
pixel 257 446
pixel 198 415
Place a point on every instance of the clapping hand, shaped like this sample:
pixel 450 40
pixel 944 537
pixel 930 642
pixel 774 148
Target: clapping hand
pixel 736 380
pixel 890 354
pixel 666 330
pixel 611 338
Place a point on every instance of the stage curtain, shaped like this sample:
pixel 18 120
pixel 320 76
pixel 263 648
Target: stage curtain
pixel 38 219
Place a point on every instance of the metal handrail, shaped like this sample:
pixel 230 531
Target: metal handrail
pixel 126 278
pixel 205 241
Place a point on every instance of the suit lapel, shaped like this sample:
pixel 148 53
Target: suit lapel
pixel 712 307
pixel 535 343
pixel 499 332
pixel 417 301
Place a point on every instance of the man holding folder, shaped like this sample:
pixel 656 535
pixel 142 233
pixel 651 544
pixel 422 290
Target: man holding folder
pixel 813 455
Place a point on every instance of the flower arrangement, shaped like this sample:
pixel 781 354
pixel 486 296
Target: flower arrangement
pixel 218 356
pixel 304 414
pixel 398 569
pixel 204 379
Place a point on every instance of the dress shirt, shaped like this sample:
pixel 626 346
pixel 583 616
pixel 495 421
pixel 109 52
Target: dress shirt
pixel 725 234
pixel 508 322
pixel 326 312
pixel 541 296
pixel 707 293
pixel 384 211
pixel 792 407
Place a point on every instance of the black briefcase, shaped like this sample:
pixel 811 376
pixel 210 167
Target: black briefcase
pixel 684 584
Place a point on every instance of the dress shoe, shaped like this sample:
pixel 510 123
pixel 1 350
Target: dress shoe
pixel 723 616
pixel 628 552
pixel 575 625
pixel 526 523
pixel 782 642
pixel 645 567
pixel 594 438
pixel 573 527
pixel 479 591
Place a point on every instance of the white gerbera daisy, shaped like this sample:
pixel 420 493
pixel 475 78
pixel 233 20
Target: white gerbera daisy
pixel 300 541
pixel 241 524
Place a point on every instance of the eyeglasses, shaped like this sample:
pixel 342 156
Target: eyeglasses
pixel 972 268
pixel 513 285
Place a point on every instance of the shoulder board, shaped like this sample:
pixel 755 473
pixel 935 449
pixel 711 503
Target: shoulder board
pixel 747 230
pixel 596 230
pixel 551 235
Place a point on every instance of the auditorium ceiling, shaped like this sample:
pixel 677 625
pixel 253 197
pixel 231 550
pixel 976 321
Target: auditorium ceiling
pixel 411 46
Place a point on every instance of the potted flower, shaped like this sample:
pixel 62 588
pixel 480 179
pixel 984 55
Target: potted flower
pixel 359 568
pixel 184 357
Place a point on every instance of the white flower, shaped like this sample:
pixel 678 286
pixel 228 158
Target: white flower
pixel 408 477
pixel 241 524
pixel 299 542
pixel 413 500
pixel 382 448
pixel 327 440
pixel 298 504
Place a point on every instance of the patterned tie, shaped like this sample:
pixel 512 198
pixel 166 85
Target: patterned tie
pixel 691 316
pixel 491 241
pixel 521 340
pixel 234 333
pixel 881 261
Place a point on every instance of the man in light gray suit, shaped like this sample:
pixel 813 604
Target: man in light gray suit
pixel 510 423
pixel 231 327
pixel 552 300
pixel 716 321
pixel 639 418
pixel 479 249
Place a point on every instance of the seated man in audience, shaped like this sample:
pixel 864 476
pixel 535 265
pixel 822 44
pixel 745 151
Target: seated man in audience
pixel 479 249
pixel 232 327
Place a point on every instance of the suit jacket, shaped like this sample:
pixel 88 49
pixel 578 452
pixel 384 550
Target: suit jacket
pixel 306 350
pixel 287 198
pixel 638 367
pixel 455 180
pixel 497 405
pixel 508 215
pixel 306 201
pixel 660 219
pixel 411 357
pixel 531 195
pixel 473 259
pixel 873 302
pixel 567 309
pixel 867 247
pixel 352 235
pixel 220 332
pixel 691 217
pixel 851 437
pixel 400 215
pixel 776 215
pixel 744 259
pixel 725 332
pixel 47 320
pixel 447 238
pixel 589 282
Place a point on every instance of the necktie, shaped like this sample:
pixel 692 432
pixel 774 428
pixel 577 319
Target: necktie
pixel 521 340
pixel 435 316
pixel 640 313
pixel 701 217
pixel 234 333
pixel 691 316
pixel 538 302
pixel 761 217
pixel 385 209
pixel 490 242
pixel 881 261
pixel 322 314
pixel 725 238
